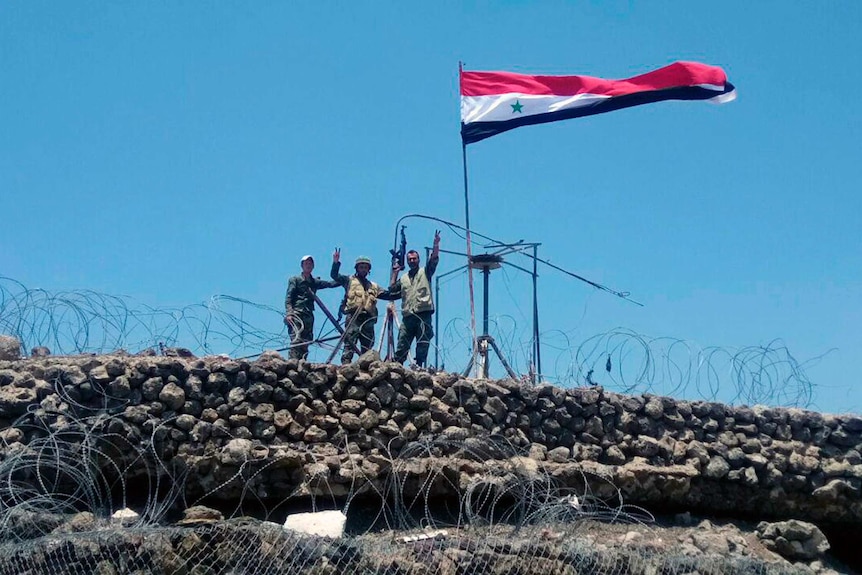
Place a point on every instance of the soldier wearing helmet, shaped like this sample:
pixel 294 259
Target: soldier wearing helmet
pixel 360 304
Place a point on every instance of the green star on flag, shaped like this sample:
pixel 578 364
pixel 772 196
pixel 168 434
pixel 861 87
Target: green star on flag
pixel 495 102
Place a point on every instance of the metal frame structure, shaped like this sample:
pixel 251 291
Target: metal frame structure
pixel 482 342
pixel 502 250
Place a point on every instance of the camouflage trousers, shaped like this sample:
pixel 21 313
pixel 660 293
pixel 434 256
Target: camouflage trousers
pixel 359 334
pixel 415 326
pixel 301 339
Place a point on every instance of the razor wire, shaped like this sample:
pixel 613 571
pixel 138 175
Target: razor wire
pixel 85 321
pixel 622 360
pixel 58 492
pixel 625 361
pixel 629 362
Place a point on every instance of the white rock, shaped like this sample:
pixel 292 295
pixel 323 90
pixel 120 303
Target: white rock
pixel 124 516
pixel 437 534
pixel 321 523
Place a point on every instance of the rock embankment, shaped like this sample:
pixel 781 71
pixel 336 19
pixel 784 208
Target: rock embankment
pixel 276 426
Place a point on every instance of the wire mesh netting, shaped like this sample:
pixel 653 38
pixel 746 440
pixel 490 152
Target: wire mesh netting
pixel 247 546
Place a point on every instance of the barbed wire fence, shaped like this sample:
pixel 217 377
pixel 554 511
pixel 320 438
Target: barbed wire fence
pixel 57 496
pixel 625 361
pixel 84 321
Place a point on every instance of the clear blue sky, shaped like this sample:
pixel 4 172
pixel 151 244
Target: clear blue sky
pixel 169 151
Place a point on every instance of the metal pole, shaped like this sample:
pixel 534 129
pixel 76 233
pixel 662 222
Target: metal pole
pixel 466 193
pixel 331 318
pixel 486 273
pixel 469 248
pixel 536 344
pixel 437 322
pixel 499 353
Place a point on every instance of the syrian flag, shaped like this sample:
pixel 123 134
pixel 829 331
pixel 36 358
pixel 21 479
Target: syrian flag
pixel 494 102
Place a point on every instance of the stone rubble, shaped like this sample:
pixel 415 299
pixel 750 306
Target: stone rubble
pixel 215 414
pixel 318 429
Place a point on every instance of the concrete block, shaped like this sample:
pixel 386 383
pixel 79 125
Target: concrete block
pixel 321 523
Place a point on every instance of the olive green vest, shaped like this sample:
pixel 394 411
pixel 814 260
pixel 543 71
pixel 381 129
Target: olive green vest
pixel 360 299
pixel 416 293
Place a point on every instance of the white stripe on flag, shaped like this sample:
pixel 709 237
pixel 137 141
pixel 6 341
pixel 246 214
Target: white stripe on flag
pixel 723 98
pixel 503 107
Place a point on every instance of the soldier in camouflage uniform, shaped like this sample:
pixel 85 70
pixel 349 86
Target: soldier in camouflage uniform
pixel 360 305
pixel 299 307
pixel 417 305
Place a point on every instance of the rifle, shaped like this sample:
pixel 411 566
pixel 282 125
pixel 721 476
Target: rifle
pixel 398 257
pixel 401 253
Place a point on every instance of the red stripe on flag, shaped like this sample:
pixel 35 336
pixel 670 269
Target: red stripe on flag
pixel 675 75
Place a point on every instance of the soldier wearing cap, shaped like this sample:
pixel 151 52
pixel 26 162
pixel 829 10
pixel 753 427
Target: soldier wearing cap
pixel 299 307
pixel 360 304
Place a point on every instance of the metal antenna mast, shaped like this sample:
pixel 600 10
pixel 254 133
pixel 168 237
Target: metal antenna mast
pixel 486 262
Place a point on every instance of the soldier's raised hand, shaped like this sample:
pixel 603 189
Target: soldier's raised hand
pixel 436 238
pixel 336 256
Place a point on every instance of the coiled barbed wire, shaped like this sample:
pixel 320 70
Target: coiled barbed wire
pixel 623 360
pixel 508 516
pixel 85 321
pixel 511 489
pixel 630 362
pixel 80 458
pixel 74 463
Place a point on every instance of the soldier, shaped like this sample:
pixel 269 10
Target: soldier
pixel 360 304
pixel 417 304
pixel 299 307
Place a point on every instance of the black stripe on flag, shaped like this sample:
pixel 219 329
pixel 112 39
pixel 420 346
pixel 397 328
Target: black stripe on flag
pixel 478 131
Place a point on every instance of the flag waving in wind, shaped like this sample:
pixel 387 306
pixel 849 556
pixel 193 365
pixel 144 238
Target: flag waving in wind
pixel 494 102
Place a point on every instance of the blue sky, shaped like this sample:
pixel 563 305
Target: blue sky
pixel 172 151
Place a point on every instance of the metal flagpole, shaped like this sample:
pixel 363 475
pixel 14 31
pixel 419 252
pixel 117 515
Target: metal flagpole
pixel 467 225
